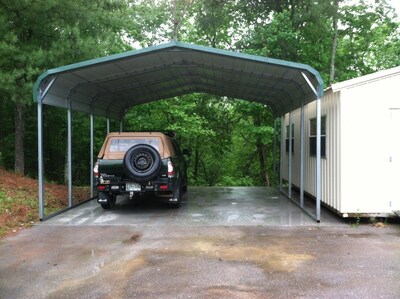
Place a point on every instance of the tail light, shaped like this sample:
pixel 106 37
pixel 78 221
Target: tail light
pixel 171 170
pixel 163 187
pixel 96 170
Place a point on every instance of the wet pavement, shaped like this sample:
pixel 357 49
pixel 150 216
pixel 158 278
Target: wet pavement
pixel 202 206
pixel 222 243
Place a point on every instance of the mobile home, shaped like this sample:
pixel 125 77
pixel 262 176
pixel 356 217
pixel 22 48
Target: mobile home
pixel 360 146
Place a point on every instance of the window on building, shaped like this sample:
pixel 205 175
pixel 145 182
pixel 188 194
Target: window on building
pixel 287 139
pixel 313 137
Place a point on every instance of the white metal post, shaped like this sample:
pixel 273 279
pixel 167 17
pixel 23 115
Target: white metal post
pixel 108 125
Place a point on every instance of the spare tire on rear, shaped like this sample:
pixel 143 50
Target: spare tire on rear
pixel 142 162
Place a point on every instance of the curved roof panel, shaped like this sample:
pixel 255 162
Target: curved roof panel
pixel 108 86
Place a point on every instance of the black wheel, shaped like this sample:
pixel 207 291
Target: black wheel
pixel 106 206
pixel 111 199
pixel 142 162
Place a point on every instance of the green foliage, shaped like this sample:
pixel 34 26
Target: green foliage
pixel 275 39
pixel 370 40
pixel 150 18
pixel 213 21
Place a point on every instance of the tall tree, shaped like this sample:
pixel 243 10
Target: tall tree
pixel 42 34
pixel 179 9
pixel 335 21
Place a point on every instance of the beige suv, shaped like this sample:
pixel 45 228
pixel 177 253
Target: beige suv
pixel 138 163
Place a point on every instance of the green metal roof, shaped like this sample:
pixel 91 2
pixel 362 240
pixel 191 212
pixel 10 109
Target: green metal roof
pixel 108 86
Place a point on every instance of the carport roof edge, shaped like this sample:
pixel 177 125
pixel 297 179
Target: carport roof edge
pixel 109 85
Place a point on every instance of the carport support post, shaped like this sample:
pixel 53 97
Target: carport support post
pixel 69 153
pixel 318 180
pixel 290 155
pixel 318 164
pixel 274 178
pixel 91 153
pixel 302 155
pixel 281 158
pixel 40 158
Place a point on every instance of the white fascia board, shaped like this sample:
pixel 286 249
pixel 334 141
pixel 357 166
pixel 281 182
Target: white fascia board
pixel 366 79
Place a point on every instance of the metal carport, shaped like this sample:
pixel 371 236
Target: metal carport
pixel 109 86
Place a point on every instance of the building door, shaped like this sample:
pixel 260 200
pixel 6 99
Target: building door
pixel 394 158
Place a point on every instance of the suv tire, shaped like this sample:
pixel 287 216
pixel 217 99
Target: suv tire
pixel 142 162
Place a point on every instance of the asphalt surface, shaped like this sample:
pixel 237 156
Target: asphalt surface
pixel 222 243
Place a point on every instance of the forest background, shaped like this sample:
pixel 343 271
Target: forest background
pixel 231 140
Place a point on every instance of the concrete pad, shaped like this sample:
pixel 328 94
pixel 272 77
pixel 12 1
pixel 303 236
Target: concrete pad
pixel 150 251
pixel 202 206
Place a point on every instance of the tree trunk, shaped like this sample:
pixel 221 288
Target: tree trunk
pixel 19 164
pixel 196 163
pixel 335 41
pixel 263 164
pixel 177 20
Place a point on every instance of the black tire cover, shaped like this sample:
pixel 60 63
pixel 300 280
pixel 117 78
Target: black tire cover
pixel 142 162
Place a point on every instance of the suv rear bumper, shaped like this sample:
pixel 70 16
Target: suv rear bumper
pixel 157 187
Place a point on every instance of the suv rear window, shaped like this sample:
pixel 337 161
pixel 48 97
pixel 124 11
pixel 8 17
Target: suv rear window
pixel 122 145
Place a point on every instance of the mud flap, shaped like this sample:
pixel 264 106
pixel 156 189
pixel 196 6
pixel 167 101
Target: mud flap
pixel 175 200
pixel 103 197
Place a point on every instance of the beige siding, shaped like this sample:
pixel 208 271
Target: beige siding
pixel 361 146
pixel 330 164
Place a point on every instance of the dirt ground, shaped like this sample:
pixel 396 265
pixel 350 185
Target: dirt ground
pixel 19 204
pixel 201 262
